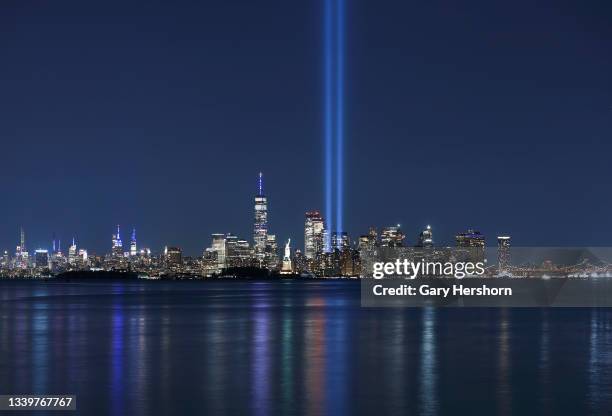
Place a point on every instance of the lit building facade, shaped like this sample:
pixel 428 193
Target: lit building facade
pixel 218 247
pixel 117 244
pixel 173 257
pixel 133 245
pixel 503 253
pixel 41 259
pixel 392 237
pixel 471 238
pixel 260 227
pixel 426 238
pixel 340 241
pixel 314 235
pixel 271 253
pixel 73 254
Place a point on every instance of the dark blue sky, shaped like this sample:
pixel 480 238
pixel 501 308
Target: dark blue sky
pixel 160 114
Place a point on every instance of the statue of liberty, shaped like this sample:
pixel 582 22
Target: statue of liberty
pixel 287 266
pixel 287 250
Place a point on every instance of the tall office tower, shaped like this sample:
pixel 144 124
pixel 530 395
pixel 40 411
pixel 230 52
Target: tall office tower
pixel 231 251
pixel 83 257
pixel 72 253
pixel 392 237
pixel 41 259
pixel 58 261
pixel 260 228
pixel 327 245
pixel 314 235
pixel 173 256
pixel 133 246
pixel 271 257
pixel 299 262
pixel 340 241
pixel 426 238
pixel 363 243
pixel 368 241
pixel 243 253
pixel 503 253
pixel 218 247
pixel 471 238
pixel 373 235
pixel 21 253
pixel 22 243
pixel 473 244
pixel 6 260
pixel 117 249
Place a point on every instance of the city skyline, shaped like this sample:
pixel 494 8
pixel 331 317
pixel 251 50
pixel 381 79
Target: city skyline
pixel 316 235
pixel 491 116
pixel 327 252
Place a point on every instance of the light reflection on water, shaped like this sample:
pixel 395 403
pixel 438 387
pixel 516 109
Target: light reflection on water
pixel 261 361
pixel 295 348
pixel 427 383
pixel 504 368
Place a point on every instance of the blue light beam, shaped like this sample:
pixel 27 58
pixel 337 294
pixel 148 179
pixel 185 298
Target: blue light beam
pixel 340 116
pixel 334 131
pixel 328 116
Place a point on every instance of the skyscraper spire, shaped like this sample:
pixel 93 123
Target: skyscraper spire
pixel 117 249
pixel 72 253
pixel 260 226
pixel 133 246
pixel 22 240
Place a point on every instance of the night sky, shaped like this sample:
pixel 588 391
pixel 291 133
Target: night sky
pixel 160 114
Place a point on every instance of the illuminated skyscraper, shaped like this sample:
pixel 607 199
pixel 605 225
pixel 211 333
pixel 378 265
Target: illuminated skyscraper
pixel 314 237
pixel 83 257
pixel 426 238
pixel 392 237
pixel 22 243
pixel 133 246
pixel 173 256
pixel 58 261
pixel 260 228
pixel 117 249
pixel 503 253
pixel 41 259
pixel 368 241
pixel 473 243
pixel 21 253
pixel 218 247
pixel 72 253
pixel 231 241
pixel 6 260
pixel 271 256
pixel 243 253
pixel 471 238
pixel 340 241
